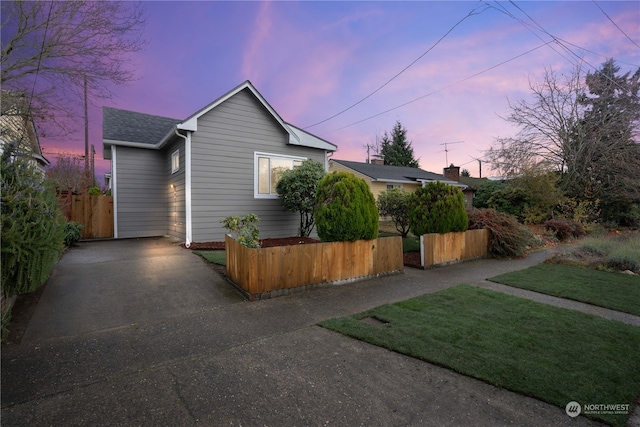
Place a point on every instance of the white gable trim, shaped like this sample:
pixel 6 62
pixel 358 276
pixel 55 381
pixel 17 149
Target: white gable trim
pixel 191 123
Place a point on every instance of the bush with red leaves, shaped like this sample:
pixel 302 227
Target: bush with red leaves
pixel 507 238
pixel 564 228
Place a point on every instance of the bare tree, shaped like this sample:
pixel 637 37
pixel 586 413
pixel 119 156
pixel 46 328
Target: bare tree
pixel 68 173
pixel 49 48
pixel 586 128
pixel 546 125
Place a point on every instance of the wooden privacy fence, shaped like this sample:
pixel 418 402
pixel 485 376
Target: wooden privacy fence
pixel 453 247
pixel 259 272
pixel 94 212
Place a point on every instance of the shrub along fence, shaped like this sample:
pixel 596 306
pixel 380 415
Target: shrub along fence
pixel 448 248
pixel 266 272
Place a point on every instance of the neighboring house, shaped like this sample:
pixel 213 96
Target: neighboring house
pixel 17 128
pixel 381 177
pixel 182 177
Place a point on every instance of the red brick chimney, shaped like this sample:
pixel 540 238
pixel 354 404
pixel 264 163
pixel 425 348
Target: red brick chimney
pixel 452 173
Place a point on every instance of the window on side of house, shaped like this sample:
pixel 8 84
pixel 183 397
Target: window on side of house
pixel 392 186
pixel 175 161
pixel 269 169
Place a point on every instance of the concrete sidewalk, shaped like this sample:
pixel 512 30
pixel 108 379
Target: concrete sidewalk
pixel 145 333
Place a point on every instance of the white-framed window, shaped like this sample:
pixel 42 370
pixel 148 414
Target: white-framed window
pixel 268 169
pixel 175 161
pixel 392 186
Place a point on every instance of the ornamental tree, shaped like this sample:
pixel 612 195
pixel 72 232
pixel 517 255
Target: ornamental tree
pixel 297 190
pixel 395 203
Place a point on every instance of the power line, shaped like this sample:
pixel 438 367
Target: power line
pixel 612 21
pixel 35 79
pixel 471 13
pixel 557 41
pixel 442 88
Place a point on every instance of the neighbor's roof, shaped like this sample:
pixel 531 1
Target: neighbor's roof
pixel 399 174
pixel 122 127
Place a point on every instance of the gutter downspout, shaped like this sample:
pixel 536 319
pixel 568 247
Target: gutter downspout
pixel 187 186
pixel 114 190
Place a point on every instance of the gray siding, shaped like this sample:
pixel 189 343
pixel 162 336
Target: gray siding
pixel 176 222
pixel 223 168
pixel 141 192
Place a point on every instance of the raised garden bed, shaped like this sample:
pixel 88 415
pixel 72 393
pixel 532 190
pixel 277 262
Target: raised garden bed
pixel 271 271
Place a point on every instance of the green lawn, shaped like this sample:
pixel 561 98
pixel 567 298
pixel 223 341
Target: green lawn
pixel 553 354
pixel 615 291
pixel 411 244
pixel 216 257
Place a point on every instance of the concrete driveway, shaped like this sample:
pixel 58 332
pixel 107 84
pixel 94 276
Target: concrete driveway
pixel 142 332
pixel 117 283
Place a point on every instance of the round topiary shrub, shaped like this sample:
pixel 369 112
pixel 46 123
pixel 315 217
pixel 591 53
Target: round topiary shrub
pixel 437 207
pixel 345 209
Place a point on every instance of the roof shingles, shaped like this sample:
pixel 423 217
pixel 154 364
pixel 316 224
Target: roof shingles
pixel 129 126
pixel 392 173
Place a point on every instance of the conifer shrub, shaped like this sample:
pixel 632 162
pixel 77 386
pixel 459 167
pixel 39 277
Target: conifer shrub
pixel 345 209
pixel 437 208
pixel 507 237
pixel 72 233
pixel 32 226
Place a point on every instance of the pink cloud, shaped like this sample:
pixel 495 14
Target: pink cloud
pixel 254 53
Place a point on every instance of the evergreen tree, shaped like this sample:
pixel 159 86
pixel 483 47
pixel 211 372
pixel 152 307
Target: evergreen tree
pixel 603 157
pixel 345 209
pixel 396 150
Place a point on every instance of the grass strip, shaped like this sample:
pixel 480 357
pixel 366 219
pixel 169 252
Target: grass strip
pixel 552 354
pixel 615 291
pixel 216 257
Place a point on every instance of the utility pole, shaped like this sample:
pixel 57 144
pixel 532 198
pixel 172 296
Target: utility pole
pixel 480 167
pixel 446 150
pixel 93 170
pixel 86 130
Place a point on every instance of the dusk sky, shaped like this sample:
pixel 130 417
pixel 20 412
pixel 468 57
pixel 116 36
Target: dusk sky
pixel 312 60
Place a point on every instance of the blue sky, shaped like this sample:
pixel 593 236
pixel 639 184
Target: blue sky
pixel 311 60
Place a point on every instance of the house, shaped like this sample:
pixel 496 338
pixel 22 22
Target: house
pixel 381 177
pixel 182 177
pixel 17 128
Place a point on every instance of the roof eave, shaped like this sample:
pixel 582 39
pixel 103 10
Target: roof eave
pixel 106 142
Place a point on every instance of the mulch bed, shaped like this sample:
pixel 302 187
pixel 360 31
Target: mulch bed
pixel 411 259
pixel 264 243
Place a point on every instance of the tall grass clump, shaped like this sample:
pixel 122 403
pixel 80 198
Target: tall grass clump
pixel 618 252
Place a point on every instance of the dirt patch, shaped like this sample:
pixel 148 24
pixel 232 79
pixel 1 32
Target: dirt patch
pixel 21 313
pixel 264 243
